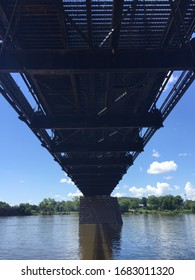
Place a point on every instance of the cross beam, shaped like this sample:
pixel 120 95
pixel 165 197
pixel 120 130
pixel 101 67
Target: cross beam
pixel 151 119
pixel 97 162
pixel 97 182
pixel 98 147
pixel 76 61
pixel 114 171
pixel 96 176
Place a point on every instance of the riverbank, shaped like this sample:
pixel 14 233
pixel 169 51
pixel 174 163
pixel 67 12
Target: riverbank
pixel 168 212
pixel 131 212
pixel 163 204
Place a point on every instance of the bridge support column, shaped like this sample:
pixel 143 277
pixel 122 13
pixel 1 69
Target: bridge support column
pixel 100 209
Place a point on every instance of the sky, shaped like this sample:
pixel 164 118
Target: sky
pixel 28 173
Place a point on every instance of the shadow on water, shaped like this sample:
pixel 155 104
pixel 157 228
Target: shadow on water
pixel 99 241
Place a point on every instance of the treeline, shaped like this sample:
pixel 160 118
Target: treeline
pixel 50 206
pixel 17 210
pixel 158 203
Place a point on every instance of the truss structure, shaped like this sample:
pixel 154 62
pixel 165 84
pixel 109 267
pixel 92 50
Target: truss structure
pixel 96 70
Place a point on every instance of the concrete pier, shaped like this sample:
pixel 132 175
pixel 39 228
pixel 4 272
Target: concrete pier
pixel 99 209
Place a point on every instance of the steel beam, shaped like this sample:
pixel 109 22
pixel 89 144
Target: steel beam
pixel 97 176
pixel 152 119
pixel 93 178
pixel 114 171
pixel 96 170
pixel 87 187
pixel 96 182
pixel 80 61
pixel 98 147
pixel 96 190
pixel 112 161
pixel 117 16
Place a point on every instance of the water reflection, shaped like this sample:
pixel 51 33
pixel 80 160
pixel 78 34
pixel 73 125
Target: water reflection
pixel 142 237
pixel 99 241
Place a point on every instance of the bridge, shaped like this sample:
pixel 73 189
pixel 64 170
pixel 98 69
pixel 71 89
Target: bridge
pixel 96 70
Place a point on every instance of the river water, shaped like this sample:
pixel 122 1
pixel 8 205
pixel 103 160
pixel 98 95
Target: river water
pixel 145 236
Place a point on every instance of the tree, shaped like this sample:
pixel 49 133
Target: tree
pixel 4 204
pixel 153 202
pixel 62 206
pixel 4 208
pixel 24 209
pixel 70 206
pixel 76 203
pixel 48 205
pixel 134 203
pixel 190 205
pixel 124 205
pixel 193 208
pixel 144 201
pixel 167 202
pixel 178 202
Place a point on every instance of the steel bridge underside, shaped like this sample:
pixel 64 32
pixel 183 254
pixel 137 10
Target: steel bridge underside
pixel 97 71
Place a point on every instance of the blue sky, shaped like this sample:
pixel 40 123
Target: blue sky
pixel 28 172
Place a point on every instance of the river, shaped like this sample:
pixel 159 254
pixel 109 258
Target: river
pixel 142 237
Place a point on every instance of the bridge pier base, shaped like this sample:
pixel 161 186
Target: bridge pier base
pixel 100 209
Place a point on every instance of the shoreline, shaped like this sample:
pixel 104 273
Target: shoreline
pixel 131 212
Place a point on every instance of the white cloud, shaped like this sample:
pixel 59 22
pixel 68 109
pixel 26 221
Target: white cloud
pixel 168 177
pixel 172 80
pixel 138 192
pixel 162 167
pixel 119 194
pixel 66 180
pixel 59 196
pixel 160 189
pixel 155 153
pixel 190 191
pixel 184 154
pixel 78 193
pixel 176 187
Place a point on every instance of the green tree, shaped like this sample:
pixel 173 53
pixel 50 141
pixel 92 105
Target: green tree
pixel 187 204
pixel 5 208
pixel 48 205
pixel 4 204
pixel 76 203
pixel 153 202
pixel 193 208
pixel 124 205
pixel 24 209
pixel 70 206
pixel 134 203
pixel 144 201
pixel 62 206
pixel 178 202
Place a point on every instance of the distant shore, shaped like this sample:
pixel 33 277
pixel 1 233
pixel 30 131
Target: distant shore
pixel 145 211
pixel 131 212
pixel 167 204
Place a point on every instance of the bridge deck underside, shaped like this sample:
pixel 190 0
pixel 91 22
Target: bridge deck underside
pixel 90 118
